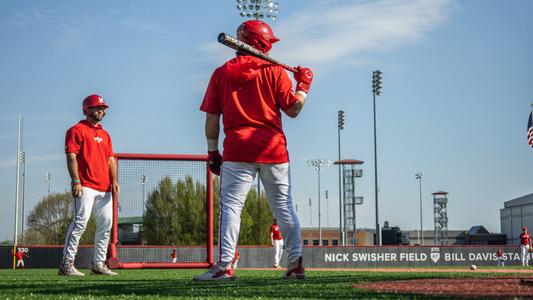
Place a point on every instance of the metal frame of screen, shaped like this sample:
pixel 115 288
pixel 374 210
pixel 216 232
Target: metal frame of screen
pixel 114 260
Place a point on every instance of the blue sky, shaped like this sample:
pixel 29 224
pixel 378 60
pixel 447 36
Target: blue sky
pixel 456 94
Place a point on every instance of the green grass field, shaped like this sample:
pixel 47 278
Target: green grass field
pixel 173 284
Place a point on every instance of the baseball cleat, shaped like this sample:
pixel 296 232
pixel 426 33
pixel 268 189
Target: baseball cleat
pixel 101 269
pixel 276 266
pixel 216 273
pixel 67 268
pixel 295 270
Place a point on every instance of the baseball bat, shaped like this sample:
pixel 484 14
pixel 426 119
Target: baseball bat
pixel 234 43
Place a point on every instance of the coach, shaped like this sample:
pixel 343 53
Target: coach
pixel 93 170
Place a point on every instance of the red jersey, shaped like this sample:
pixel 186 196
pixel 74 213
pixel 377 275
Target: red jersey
pixel 276 234
pixel 173 254
pixel 92 146
pixel 249 93
pixel 525 239
pixel 19 255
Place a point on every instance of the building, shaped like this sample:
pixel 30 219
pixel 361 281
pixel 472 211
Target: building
pixel 129 230
pixel 455 237
pixel 330 236
pixel 516 214
pixel 478 235
pixel 365 237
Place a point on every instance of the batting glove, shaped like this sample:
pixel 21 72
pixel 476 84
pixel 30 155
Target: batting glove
pixel 303 78
pixel 214 159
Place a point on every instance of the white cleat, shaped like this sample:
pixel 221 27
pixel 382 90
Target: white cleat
pixel 101 269
pixel 67 268
pixel 216 273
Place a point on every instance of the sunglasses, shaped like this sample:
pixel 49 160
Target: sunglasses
pixel 98 108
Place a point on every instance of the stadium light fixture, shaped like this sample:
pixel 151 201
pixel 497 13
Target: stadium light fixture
pixel 421 234
pixel 376 90
pixel 319 164
pixel 340 126
pixel 258 9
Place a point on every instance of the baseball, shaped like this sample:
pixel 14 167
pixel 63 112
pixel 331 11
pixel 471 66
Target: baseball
pixel 473 267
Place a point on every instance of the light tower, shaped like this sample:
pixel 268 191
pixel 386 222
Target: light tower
pixel 340 126
pixel 421 233
pixel 348 198
pixel 376 90
pixel 440 211
pixel 319 164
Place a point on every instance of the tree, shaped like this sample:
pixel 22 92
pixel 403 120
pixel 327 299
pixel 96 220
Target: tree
pixel 175 214
pixel 160 226
pixel 256 218
pixel 49 220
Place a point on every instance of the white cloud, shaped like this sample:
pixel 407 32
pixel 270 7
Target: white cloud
pixel 69 36
pixel 342 31
pixel 333 30
pixel 135 25
pixel 27 18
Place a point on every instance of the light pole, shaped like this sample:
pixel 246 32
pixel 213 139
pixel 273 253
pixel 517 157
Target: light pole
pixel 144 179
pixel 319 164
pixel 327 208
pixel 376 90
pixel 258 9
pixel 340 123
pixel 48 179
pixel 421 234
pixel 23 158
pixel 311 210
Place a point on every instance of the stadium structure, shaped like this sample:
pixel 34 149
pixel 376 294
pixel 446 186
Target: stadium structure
pixel 514 215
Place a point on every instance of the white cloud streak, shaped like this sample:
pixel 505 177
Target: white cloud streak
pixel 335 31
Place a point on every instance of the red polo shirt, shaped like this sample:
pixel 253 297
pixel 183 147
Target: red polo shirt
pixel 276 234
pixel 525 239
pixel 19 255
pixel 250 93
pixel 92 146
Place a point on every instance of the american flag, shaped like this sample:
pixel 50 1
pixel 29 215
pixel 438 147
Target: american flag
pixel 530 131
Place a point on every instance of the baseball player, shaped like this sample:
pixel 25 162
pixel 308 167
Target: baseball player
pixel 250 94
pixel 173 256
pixel 19 256
pixel 277 243
pixel 93 170
pixel 499 258
pixel 525 245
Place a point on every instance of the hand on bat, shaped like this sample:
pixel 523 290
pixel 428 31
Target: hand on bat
pixel 303 78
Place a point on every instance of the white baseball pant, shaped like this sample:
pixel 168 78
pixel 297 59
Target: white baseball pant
pixel 278 251
pixel 20 263
pixel 101 204
pixel 524 249
pixel 236 178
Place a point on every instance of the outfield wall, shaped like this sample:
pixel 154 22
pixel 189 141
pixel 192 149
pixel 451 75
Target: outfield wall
pixel 314 257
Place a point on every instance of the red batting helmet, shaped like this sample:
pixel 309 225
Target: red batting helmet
pixel 93 101
pixel 258 34
pixel 524 228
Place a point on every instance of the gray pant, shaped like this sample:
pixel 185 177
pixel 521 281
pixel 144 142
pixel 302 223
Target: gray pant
pixel 235 182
